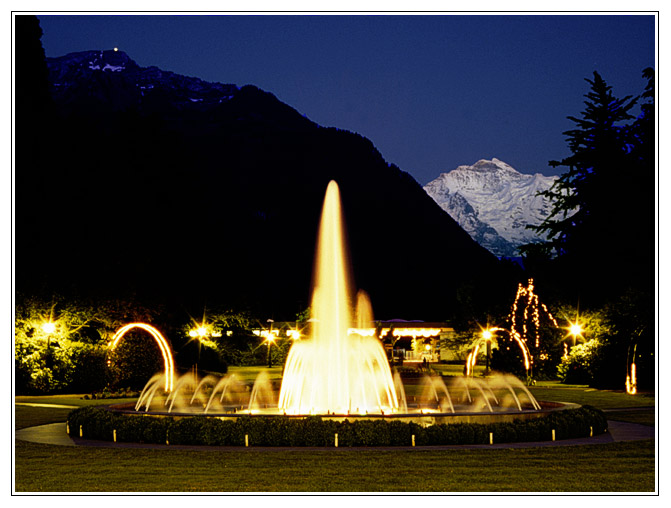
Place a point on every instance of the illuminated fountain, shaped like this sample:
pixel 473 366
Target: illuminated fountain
pixel 228 395
pixel 335 370
pixel 341 369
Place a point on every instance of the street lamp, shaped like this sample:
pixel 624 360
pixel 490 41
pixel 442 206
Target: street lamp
pixel 269 341
pixel 48 328
pixel 199 335
pixel 575 329
pixel 487 336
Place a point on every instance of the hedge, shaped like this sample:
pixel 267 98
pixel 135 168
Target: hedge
pixel 100 423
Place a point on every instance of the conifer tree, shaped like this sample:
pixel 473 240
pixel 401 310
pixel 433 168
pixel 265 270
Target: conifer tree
pixel 602 202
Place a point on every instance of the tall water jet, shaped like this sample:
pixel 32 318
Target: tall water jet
pixel 335 371
pixel 364 310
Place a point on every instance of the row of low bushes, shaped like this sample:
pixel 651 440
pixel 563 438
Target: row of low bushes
pixel 100 423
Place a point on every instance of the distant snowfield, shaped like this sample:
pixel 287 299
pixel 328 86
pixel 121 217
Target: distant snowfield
pixel 494 203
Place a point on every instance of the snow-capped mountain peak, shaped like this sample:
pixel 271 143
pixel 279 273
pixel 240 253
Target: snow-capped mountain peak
pixel 500 200
pixel 92 72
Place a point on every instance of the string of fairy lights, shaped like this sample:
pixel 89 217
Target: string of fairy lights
pixel 532 303
pixel 522 331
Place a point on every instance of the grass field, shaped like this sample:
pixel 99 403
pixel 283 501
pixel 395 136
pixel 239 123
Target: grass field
pixel 622 467
pixel 248 374
pixel 603 399
pixel 614 467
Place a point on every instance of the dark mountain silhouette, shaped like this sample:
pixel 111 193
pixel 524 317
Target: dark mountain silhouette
pixel 171 189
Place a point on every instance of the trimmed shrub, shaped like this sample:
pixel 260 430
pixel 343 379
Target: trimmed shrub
pixel 156 429
pixel 99 423
pixel 131 429
pixel 400 434
pixel 504 432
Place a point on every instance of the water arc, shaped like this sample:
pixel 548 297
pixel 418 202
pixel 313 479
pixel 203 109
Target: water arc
pixel 168 362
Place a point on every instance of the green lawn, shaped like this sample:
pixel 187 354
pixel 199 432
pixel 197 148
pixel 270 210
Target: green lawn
pixel 603 399
pixel 248 374
pixel 641 417
pixel 617 467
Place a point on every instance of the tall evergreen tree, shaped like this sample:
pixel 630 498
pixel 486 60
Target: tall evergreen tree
pixel 599 225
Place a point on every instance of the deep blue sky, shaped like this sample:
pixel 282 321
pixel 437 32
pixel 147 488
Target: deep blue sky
pixel 430 91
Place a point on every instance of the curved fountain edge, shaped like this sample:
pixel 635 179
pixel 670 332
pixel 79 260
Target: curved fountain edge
pixel 424 419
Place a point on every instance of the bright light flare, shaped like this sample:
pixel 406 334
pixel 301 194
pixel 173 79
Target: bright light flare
pixel 203 330
pixel 575 329
pixel 49 327
pixel 268 335
pixel 294 334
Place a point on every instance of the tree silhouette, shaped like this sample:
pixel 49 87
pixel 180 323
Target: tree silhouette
pixel 600 227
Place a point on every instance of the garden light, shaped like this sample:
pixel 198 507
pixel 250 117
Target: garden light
pixel 294 334
pixel 49 327
pixel 575 329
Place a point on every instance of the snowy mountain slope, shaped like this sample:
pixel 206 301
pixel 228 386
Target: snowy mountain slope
pixel 494 203
pixel 112 76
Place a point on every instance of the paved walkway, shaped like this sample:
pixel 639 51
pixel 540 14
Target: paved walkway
pixel 55 434
pixel 36 404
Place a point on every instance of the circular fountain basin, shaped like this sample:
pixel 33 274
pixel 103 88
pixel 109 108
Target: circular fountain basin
pixel 422 416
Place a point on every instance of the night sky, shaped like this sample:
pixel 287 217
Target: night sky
pixel 430 91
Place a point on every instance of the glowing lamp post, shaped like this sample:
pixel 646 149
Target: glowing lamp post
pixel 48 328
pixel 269 341
pixel 575 330
pixel 294 334
pixel 200 334
pixel 487 336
